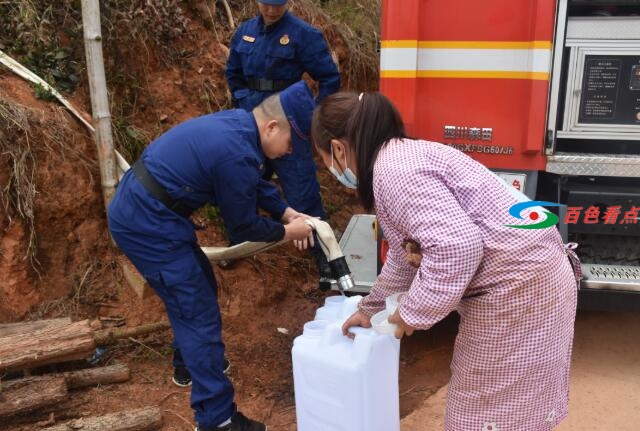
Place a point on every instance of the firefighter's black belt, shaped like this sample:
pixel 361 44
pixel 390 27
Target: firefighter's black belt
pixel 157 191
pixel 269 84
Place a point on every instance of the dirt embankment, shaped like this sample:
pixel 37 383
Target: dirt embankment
pixel 53 240
pixel 165 64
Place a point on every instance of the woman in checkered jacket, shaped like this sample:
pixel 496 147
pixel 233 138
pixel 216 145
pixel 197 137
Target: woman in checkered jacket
pixel 514 289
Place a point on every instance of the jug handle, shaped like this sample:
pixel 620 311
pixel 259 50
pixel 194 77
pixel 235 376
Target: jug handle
pixel 362 344
pixel 333 335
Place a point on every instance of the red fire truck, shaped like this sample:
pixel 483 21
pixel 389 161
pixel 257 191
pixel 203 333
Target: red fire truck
pixel 546 94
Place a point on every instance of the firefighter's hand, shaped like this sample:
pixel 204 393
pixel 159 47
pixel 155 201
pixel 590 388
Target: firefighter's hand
pixel 403 328
pixel 290 215
pixel 356 319
pixel 308 242
pixel 304 243
pixel 299 231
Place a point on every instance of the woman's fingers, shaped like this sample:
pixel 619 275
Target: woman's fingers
pixel 356 319
pixel 402 327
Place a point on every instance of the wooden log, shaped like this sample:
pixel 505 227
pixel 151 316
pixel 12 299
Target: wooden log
pixel 145 419
pixel 44 342
pixel 7 329
pixel 111 335
pixel 32 394
pixel 97 376
pixel 117 373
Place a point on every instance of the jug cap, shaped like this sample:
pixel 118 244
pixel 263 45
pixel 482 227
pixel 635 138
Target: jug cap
pixel 381 324
pixel 315 328
pixel 392 302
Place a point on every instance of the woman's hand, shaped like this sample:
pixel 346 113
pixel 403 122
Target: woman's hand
pixel 414 254
pixel 356 319
pixel 403 328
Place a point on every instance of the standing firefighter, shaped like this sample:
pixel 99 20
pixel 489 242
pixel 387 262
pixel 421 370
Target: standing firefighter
pixel 216 159
pixel 269 53
pixel 515 289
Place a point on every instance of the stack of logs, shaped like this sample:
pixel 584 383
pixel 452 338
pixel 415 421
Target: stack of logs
pixel 25 346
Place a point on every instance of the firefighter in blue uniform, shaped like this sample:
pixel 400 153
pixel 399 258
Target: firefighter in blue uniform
pixel 269 53
pixel 216 159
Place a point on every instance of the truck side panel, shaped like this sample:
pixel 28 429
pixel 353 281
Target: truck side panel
pixel 472 74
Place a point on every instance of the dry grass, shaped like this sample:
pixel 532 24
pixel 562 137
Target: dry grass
pixel 354 23
pixel 20 129
pixel 82 297
pixel 18 195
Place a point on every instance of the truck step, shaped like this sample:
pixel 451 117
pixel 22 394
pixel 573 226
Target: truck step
pixel 612 277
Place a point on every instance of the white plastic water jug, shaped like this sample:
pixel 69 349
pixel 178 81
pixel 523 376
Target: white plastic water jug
pixel 338 308
pixel 343 384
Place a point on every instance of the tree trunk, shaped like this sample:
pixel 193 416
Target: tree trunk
pixel 145 419
pixel 31 394
pixel 32 344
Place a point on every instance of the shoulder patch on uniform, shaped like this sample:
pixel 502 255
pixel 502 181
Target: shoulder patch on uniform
pixel 248 38
pixel 284 40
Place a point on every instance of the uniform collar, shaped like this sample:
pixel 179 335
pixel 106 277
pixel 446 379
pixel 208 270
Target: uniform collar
pixel 257 143
pixel 273 27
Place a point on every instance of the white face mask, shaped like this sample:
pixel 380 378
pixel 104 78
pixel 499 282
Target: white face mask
pixel 347 178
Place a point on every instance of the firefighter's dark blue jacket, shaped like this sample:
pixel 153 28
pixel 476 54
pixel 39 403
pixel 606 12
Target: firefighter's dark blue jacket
pixel 281 51
pixel 216 159
pixel 297 171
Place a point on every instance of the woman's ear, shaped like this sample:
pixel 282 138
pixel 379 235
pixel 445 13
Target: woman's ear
pixel 339 150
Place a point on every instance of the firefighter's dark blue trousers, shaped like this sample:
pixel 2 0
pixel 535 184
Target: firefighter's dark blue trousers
pixel 182 276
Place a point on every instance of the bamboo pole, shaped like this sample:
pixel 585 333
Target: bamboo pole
pixel 232 24
pixel 99 97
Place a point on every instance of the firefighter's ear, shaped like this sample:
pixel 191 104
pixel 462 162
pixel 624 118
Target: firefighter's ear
pixel 271 127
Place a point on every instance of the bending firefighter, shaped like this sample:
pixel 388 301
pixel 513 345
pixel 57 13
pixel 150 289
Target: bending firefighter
pixel 217 159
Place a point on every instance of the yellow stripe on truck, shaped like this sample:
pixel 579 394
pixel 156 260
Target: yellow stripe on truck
pixel 502 60
pixel 463 74
pixel 536 44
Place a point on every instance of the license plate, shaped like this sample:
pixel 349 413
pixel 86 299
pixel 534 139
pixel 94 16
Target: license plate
pixel 517 181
